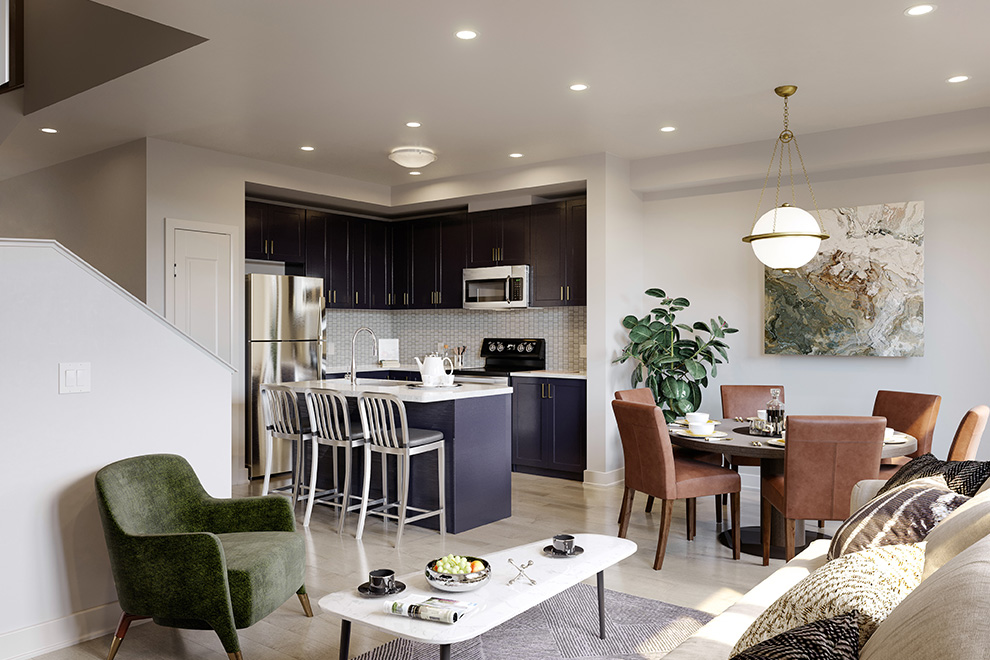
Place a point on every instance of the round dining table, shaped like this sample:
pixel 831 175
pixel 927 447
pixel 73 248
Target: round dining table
pixel 739 442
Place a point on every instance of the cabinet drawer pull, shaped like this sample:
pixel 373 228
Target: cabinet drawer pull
pixel 273 248
pixel 568 292
pixel 549 391
pixel 335 296
pixel 561 293
pixel 439 297
pixel 543 393
pixel 355 297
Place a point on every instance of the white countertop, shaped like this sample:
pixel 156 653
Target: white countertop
pixel 403 389
pixel 577 375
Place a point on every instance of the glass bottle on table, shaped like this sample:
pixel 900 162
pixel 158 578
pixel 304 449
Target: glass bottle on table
pixel 775 412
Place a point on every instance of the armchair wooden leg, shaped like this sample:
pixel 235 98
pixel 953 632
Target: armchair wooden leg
pixel 789 541
pixel 765 529
pixel 736 526
pixel 691 507
pixel 304 601
pixel 649 503
pixel 122 626
pixel 625 510
pixel 718 508
pixel 666 514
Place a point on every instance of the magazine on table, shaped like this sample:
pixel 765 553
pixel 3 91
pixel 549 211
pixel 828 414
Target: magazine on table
pixel 443 610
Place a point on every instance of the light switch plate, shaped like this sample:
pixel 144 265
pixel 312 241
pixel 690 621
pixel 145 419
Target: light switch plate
pixel 74 377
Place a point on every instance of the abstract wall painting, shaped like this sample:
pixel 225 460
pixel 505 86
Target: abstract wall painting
pixel 863 294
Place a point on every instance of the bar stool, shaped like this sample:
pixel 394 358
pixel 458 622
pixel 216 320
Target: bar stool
pixel 383 418
pixel 331 426
pixel 281 412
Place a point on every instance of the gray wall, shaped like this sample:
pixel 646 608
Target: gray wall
pixel 94 205
pixel 693 249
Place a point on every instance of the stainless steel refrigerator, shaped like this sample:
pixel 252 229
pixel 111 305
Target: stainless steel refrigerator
pixel 283 345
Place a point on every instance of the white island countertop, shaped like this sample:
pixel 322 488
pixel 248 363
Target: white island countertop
pixel 406 391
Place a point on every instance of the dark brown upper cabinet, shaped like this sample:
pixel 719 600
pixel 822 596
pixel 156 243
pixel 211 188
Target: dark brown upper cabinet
pixel 275 233
pixel 498 237
pixel 437 251
pixel 558 247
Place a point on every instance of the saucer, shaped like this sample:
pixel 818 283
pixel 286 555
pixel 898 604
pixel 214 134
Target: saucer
pixel 365 590
pixel 714 435
pixel 433 387
pixel 683 422
pixel 551 551
pixel 776 442
pixel 896 439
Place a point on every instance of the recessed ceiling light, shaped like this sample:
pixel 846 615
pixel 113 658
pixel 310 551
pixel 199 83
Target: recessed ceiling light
pixel 307 148
pixel 415 173
pixel 578 87
pixel 515 155
pixel 668 129
pixel 919 10
pixel 466 34
pixel 957 79
pixel 49 130
pixel 413 124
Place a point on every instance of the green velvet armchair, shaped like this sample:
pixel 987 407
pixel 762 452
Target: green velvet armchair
pixel 188 560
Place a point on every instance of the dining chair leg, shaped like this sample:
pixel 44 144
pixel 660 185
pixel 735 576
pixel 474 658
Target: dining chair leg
pixel 297 470
pixel 314 463
pixel 789 541
pixel 385 489
pixel 402 470
pixel 649 503
pixel 365 490
pixel 718 509
pixel 268 463
pixel 691 507
pixel 625 510
pixel 666 514
pixel 346 493
pixel 765 529
pixel 821 523
pixel 441 490
pixel 736 526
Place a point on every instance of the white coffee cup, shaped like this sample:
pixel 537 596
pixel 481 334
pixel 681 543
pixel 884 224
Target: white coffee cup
pixel 888 433
pixel 761 414
pixel 696 417
pixel 703 428
pixel 447 379
pixel 432 380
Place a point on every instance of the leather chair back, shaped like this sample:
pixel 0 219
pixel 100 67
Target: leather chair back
pixel 910 413
pixel 638 395
pixel 967 438
pixel 825 457
pixel 649 459
pixel 745 400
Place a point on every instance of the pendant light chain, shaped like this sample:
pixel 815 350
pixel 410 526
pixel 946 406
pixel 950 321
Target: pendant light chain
pixel 807 180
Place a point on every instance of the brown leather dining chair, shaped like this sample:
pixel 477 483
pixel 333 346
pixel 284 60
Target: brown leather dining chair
pixel 651 468
pixel 824 458
pixel 744 401
pixel 911 413
pixel 967 438
pixel 645 395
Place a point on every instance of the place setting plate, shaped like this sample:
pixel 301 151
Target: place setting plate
pixel 776 442
pixel 683 422
pixel 715 435
pixel 897 438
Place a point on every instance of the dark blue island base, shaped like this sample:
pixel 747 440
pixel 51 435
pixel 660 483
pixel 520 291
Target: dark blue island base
pixel 478 455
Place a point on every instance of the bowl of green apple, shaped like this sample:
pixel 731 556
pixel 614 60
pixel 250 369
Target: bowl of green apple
pixel 458 573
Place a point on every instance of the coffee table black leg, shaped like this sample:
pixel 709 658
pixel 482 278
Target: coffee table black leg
pixel 445 652
pixel 601 604
pixel 345 638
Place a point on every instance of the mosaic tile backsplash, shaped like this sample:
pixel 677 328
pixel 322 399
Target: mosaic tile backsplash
pixel 420 330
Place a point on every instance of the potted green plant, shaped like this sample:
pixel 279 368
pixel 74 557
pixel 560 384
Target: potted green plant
pixel 674 359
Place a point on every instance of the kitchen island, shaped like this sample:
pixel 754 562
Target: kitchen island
pixel 476 422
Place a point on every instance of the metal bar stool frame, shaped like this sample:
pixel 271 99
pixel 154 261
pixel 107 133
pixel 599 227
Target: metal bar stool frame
pixel 330 425
pixel 386 432
pixel 280 408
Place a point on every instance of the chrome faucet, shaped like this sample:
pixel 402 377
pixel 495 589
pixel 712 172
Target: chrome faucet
pixel 354 339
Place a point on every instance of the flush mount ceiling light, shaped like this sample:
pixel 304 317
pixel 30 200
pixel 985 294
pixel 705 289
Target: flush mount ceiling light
pixel 919 10
pixel 413 157
pixel 786 236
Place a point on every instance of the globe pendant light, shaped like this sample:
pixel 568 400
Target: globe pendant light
pixel 786 237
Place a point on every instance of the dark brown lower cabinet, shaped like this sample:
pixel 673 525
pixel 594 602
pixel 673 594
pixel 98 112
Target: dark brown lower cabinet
pixel 549 429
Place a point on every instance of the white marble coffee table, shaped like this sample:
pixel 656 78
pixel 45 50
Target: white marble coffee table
pixel 498 600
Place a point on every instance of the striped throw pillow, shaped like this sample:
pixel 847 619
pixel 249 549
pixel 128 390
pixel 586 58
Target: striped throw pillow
pixel 904 514
pixel 830 639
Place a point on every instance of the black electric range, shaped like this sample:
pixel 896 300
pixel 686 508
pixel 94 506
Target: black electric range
pixel 505 356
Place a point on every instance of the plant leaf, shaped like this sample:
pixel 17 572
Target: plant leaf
pixel 672 388
pixel 696 369
pixel 681 302
pixel 656 293
pixel 630 322
pixel 640 333
pixel 698 325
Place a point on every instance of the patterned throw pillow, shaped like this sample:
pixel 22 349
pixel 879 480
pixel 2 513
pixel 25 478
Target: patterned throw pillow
pixel 964 477
pixel 872 581
pixel 904 514
pixel 832 639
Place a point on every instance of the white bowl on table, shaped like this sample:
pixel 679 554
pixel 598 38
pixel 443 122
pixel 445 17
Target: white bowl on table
pixel 704 428
pixel 696 417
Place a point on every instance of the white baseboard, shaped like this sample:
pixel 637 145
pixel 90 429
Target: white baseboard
pixel 594 478
pixel 59 633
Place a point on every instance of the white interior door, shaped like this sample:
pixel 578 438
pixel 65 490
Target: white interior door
pixel 201 290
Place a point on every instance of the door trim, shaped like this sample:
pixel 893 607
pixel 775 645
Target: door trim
pixel 171 225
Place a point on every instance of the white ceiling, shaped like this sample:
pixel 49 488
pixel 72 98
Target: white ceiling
pixel 345 75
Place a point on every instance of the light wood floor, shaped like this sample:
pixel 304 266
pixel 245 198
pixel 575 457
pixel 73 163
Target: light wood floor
pixel 699 574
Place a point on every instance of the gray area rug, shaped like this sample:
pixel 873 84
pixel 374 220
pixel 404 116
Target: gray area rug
pixel 566 626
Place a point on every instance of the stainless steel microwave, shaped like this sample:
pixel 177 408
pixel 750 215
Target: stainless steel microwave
pixel 496 287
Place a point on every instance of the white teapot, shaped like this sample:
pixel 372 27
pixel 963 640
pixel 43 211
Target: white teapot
pixel 432 369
